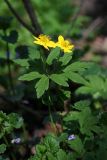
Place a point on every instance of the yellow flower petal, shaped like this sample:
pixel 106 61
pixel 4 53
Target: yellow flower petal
pixel 60 38
pixel 52 44
pixel 65 45
pixel 44 41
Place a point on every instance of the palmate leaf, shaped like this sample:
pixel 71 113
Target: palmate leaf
pixel 52 145
pixel 54 54
pixel 30 76
pixel 96 86
pixel 88 122
pixel 60 79
pixel 42 85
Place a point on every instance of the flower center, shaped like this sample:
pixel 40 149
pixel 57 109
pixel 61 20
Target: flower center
pixel 44 39
pixel 65 43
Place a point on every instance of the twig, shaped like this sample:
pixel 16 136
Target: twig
pixel 75 16
pixel 98 22
pixel 32 16
pixel 18 18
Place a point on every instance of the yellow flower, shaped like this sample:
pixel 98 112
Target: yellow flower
pixel 45 41
pixel 65 45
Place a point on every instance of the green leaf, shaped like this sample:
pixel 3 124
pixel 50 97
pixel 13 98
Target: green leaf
pixel 33 53
pixel 63 137
pixel 75 77
pixel 61 155
pixel 59 79
pixel 42 85
pixel 65 59
pixel 67 94
pixel 2 148
pixel 81 105
pixel 77 66
pixel 40 148
pixel 77 145
pixel 96 82
pixel 22 62
pixel 15 120
pixel 87 122
pixel 71 116
pixel 51 144
pixel 50 156
pixel 53 55
pixel 30 76
pixel 96 86
pixel 84 90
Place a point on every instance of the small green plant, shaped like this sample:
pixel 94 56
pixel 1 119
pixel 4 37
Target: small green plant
pixel 8 123
pixel 83 137
pixel 54 68
pixel 49 148
pixel 82 127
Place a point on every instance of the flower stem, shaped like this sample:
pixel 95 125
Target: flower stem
pixel 51 119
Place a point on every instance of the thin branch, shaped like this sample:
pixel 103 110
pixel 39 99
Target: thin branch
pixel 97 23
pixel 18 17
pixel 75 16
pixel 32 16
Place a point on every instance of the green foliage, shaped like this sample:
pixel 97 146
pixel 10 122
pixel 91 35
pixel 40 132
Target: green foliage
pixel 30 76
pixel 55 68
pixel 2 148
pixel 9 122
pixel 22 62
pixel 96 86
pixel 49 149
pixel 77 145
pixel 65 59
pixel 90 131
pixel 82 116
pixel 59 79
pixel 53 55
pixel 34 53
pixel 88 142
pixel 42 85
